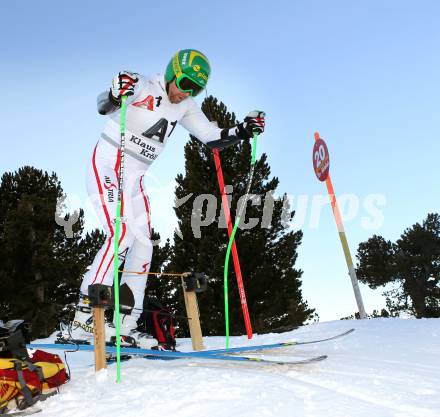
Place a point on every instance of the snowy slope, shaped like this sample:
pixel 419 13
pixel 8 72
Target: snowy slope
pixel 387 367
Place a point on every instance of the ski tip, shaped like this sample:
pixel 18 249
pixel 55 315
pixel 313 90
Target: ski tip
pixel 347 332
pixel 312 360
pixel 337 336
pixel 304 361
pixel 286 363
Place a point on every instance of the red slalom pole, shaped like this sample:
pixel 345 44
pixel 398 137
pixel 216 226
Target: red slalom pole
pixel 244 306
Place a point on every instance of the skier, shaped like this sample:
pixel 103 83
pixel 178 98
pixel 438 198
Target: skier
pixel 154 107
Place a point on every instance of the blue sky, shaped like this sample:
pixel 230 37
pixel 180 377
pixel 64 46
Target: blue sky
pixel 365 74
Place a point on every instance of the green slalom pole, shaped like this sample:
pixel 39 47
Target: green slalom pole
pixel 232 238
pixel 117 234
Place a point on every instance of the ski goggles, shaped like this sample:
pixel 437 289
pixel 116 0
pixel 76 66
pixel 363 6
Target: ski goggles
pixel 187 85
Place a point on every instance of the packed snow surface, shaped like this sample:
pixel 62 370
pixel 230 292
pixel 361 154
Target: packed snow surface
pixel 387 367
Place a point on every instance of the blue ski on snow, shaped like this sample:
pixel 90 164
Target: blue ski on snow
pixel 166 354
pixel 219 354
pixel 274 345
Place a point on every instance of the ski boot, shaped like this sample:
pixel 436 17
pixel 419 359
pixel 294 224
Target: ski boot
pixel 129 329
pixel 80 330
pixel 164 347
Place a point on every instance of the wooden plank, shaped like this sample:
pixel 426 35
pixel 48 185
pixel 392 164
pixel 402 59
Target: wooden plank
pixel 192 311
pixel 99 338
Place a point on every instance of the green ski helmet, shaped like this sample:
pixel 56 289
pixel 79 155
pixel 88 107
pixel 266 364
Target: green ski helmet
pixel 191 70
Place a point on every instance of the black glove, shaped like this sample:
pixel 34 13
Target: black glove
pixel 123 85
pixel 253 123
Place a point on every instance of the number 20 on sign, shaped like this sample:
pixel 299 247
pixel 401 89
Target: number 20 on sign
pixel 321 159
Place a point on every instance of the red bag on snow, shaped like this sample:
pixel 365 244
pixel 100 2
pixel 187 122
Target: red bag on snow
pixel 29 380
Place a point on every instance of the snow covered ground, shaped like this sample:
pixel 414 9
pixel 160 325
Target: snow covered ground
pixel 387 367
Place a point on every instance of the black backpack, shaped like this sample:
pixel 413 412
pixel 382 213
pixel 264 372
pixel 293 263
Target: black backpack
pixel 14 335
pixel 157 321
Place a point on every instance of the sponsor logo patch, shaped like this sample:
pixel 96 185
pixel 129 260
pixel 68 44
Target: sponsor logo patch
pixel 85 327
pixel 146 103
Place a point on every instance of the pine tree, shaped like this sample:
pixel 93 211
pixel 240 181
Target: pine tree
pixel 267 254
pixel 158 286
pixel 411 265
pixel 41 267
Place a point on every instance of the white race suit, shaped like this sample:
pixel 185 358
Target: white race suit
pixel 150 120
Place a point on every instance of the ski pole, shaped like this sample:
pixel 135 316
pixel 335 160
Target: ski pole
pixel 232 237
pixel 235 258
pixel 232 246
pixel 117 234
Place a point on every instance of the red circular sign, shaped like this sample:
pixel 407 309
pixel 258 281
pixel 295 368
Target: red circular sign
pixel 321 160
